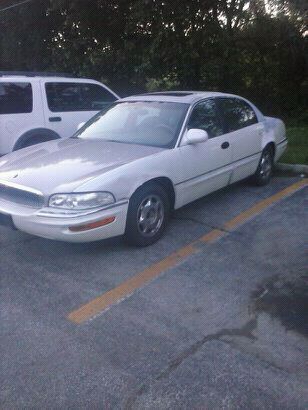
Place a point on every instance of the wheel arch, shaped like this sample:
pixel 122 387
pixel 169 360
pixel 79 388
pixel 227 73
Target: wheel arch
pixel 44 133
pixel 164 182
pixel 271 145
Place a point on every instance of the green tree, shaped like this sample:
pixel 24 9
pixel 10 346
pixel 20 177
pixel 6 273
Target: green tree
pixel 250 47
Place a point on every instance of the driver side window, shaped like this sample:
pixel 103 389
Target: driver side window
pixel 206 117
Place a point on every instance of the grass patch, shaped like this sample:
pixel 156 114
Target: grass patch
pixel 297 150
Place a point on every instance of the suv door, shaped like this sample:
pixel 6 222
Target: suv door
pixel 68 103
pixel 206 165
pixel 244 133
pixel 20 110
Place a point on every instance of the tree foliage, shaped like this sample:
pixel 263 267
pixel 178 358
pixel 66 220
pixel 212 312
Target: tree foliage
pixel 250 47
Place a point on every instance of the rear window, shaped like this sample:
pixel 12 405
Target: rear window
pixel 15 98
pixel 237 114
pixel 65 97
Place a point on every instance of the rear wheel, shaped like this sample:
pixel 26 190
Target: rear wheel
pixel 148 215
pixel 33 141
pixel 265 168
pixel 35 136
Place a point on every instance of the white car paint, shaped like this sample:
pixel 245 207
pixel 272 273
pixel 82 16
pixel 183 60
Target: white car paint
pixel 76 165
pixel 13 127
pixel 208 161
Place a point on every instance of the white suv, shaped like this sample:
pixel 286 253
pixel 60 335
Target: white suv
pixel 37 107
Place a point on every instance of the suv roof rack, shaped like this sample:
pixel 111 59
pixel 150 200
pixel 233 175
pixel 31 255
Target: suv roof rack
pixel 35 74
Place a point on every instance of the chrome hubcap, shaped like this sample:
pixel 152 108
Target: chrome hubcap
pixel 266 165
pixel 150 215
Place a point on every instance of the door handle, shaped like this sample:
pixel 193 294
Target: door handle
pixel 225 145
pixel 55 119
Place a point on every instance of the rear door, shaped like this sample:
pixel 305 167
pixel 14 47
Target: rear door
pixel 68 103
pixel 20 110
pixel 244 133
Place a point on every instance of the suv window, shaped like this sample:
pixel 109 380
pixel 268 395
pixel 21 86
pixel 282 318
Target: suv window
pixel 205 116
pixel 237 114
pixel 15 98
pixel 71 96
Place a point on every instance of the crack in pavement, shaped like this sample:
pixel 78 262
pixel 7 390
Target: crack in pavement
pixel 184 218
pixel 251 191
pixel 244 331
pixel 258 355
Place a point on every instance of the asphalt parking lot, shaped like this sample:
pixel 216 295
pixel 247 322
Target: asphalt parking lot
pixel 212 316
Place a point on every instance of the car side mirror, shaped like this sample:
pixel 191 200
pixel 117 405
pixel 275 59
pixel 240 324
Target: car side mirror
pixel 80 125
pixel 196 135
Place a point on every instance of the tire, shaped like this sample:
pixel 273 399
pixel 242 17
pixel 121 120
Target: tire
pixel 33 141
pixel 35 136
pixel 265 168
pixel 147 216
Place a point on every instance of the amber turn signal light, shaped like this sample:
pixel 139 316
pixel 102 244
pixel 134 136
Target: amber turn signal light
pixel 92 225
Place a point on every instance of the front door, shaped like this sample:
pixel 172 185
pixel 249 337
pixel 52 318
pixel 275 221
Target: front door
pixel 207 165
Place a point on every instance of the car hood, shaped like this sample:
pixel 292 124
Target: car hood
pixel 67 163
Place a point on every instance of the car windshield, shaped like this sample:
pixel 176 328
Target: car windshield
pixel 137 122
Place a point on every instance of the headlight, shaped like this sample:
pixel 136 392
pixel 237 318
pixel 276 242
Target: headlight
pixel 86 200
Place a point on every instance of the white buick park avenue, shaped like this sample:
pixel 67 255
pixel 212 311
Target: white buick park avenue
pixel 127 168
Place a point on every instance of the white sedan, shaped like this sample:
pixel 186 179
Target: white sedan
pixel 126 169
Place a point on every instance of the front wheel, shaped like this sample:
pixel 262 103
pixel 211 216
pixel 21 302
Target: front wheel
pixel 265 168
pixel 147 216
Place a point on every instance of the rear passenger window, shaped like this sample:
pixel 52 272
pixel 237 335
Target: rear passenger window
pixel 96 97
pixel 205 117
pixel 237 114
pixel 65 97
pixel 15 98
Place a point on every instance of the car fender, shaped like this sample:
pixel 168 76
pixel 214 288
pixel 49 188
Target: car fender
pixel 274 133
pixel 124 180
pixel 268 137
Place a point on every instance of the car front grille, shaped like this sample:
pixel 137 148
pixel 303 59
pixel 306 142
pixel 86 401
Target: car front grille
pixel 20 196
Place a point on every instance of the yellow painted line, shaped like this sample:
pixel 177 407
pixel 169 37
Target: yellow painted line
pixel 126 288
pixel 265 203
pixel 104 301
pixel 212 236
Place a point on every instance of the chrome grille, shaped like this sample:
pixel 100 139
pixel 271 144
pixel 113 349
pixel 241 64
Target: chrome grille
pixel 20 196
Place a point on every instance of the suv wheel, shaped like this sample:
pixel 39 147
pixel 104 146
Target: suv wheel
pixel 33 141
pixel 35 136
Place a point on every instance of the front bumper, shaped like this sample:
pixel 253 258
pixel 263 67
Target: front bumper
pixel 58 227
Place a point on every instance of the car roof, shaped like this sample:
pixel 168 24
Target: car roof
pixel 29 77
pixel 188 97
pixel 185 97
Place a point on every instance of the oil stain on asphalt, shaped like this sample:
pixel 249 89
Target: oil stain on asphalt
pixel 285 300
